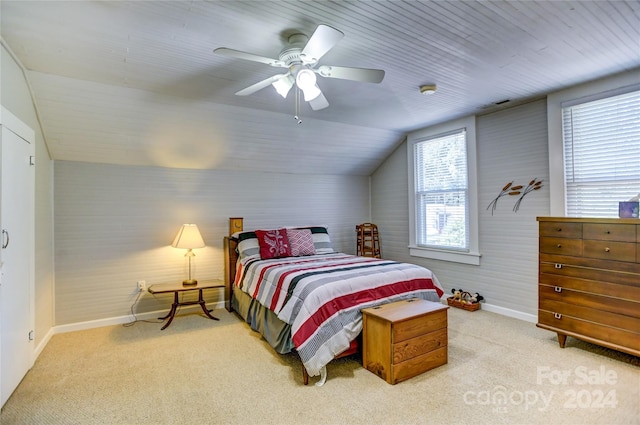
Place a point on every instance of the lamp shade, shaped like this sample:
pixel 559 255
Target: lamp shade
pixel 188 237
pixel 306 81
pixel 283 85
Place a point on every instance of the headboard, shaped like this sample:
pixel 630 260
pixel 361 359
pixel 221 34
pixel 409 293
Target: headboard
pixel 230 259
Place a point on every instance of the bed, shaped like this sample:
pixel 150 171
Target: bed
pixel 290 285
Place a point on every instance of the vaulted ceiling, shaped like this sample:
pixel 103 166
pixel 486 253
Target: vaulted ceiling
pixel 137 82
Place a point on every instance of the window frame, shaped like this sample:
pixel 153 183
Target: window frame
pixel 472 255
pixel 611 86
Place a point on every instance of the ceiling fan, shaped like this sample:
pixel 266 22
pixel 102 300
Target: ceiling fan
pixel 301 58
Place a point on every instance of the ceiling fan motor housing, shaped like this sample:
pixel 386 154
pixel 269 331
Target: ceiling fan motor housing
pixel 290 55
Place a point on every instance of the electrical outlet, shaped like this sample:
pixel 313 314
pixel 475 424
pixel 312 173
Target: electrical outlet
pixel 142 285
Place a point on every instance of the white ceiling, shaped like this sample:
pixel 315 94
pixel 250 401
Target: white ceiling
pixel 137 82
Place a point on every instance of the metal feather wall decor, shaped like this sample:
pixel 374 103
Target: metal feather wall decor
pixel 518 190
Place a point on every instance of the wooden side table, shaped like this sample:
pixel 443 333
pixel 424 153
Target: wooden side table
pixel 163 288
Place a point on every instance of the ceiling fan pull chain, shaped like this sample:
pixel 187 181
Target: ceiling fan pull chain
pixel 297 102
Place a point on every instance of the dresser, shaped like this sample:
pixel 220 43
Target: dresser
pixel 403 339
pixel 589 280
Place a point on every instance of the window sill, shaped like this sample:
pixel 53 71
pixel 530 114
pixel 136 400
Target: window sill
pixel 472 258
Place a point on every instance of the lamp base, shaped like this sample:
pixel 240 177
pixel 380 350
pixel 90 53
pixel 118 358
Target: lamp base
pixel 189 282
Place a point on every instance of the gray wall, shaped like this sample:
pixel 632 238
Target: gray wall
pixel 114 226
pixel 16 98
pixel 512 146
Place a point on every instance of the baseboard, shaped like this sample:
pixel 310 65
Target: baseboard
pixel 532 318
pixel 510 313
pixel 111 321
pixel 43 343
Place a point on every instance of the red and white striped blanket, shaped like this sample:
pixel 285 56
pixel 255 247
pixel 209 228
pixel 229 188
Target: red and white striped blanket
pixel 321 296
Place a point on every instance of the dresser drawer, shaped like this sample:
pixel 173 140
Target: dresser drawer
pixel 420 364
pixel 608 318
pixel 622 277
pixel 585 299
pixel 561 246
pixel 609 250
pixel 560 229
pixel 420 325
pixel 609 232
pixel 419 345
pixel 609 336
pixel 614 320
pixel 615 290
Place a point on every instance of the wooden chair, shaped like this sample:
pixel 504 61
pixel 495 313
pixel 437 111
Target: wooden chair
pixel 368 240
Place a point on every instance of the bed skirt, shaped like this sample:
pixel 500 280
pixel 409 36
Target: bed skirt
pixel 264 321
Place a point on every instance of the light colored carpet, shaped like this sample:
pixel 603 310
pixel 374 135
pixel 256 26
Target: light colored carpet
pixel 500 371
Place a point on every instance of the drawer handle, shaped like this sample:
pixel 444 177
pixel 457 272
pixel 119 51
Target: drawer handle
pixel 608 232
pixel 558 266
pixel 559 246
pixel 607 249
pixel 557 316
pixel 557 288
pixel 559 229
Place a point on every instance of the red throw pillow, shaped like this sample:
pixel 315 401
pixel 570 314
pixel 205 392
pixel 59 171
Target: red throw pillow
pixel 301 242
pixel 273 243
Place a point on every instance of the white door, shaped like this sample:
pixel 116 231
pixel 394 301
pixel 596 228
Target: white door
pixel 16 282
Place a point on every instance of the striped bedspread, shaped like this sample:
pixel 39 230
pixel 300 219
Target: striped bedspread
pixel 321 296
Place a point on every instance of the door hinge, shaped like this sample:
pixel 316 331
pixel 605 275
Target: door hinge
pixel 32 160
pixel 30 335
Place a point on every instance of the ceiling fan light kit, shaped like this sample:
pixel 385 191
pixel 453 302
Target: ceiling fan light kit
pixel 301 57
pixel 283 85
pixel 306 80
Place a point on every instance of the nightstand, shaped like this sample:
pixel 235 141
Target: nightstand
pixel 163 288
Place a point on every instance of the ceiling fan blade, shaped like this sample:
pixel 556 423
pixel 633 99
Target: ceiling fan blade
pixel 319 102
pixel 355 74
pixel 322 40
pixel 260 85
pixel 249 56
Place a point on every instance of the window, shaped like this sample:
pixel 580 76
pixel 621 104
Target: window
pixel 441 191
pixel 601 140
pixel 442 180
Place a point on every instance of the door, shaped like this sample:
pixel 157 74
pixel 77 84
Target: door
pixel 16 261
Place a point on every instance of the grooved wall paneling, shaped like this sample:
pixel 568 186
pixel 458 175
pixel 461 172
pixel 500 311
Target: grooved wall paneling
pixel 114 225
pixel 512 146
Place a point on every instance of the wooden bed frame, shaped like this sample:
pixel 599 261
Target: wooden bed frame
pixel 230 261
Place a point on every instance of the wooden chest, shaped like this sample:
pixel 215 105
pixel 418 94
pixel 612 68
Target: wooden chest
pixel 404 339
pixel 589 280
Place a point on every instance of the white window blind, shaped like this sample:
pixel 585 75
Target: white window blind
pixel 601 154
pixel 441 191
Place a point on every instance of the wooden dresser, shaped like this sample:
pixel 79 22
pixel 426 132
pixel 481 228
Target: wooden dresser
pixel 589 280
pixel 404 338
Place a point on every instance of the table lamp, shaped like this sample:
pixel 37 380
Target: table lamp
pixel 188 237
